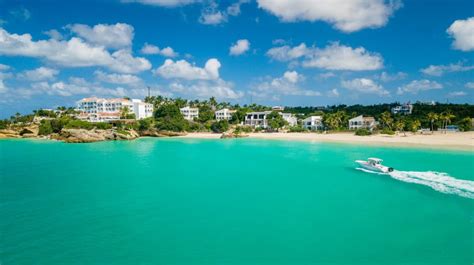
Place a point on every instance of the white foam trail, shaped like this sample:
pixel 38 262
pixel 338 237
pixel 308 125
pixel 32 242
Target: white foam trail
pixel 438 181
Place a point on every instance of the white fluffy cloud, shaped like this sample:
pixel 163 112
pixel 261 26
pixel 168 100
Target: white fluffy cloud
pixel 439 70
pixel 333 57
pixel 463 33
pixel 53 34
pixel 40 73
pixel 234 9
pixel 364 85
pixel 74 86
pixel 345 15
pixel 213 18
pixel 288 84
pixel 4 67
pixel 340 57
pixel 205 89
pixel 122 79
pixel 387 77
pixel 211 15
pixel 333 93
pixel 152 49
pixel 240 47
pixel 416 86
pixel 182 69
pixel 115 36
pixel 163 3
pixel 457 94
pixel 72 53
pixel 287 53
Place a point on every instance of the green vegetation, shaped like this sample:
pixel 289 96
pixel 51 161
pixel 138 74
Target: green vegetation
pixel 275 121
pixel 362 132
pixel 297 129
pixel 220 126
pixel 169 118
pixel 78 124
pixel 387 131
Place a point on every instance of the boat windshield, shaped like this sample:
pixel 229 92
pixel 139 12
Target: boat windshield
pixel 374 161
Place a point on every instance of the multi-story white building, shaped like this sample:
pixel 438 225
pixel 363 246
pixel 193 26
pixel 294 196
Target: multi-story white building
pixel 224 114
pixel 290 118
pixel 189 113
pixel 100 109
pixel 141 109
pixel 362 122
pixel 313 123
pixel 259 119
pixel 405 109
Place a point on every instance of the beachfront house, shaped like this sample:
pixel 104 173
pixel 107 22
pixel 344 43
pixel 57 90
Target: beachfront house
pixel 405 109
pixel 313 123
pixel 361 122
pixel 189 113
pixel 101 109
pixel 258 119
pixel 224 114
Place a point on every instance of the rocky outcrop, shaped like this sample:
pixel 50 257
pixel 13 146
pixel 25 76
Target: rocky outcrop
pixel 157 133
pixel 8 133
pixel 89 136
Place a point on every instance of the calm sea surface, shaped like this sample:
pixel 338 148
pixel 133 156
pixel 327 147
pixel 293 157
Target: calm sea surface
pixel 243 201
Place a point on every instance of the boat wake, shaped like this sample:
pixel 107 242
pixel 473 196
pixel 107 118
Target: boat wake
pixel 438 181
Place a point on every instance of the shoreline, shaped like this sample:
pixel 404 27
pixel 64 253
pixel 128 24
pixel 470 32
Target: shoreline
pixel 452 141
pixel 462 141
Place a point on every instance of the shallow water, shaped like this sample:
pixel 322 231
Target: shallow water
pixel 242 201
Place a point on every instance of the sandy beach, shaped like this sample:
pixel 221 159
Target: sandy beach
pixel 459 140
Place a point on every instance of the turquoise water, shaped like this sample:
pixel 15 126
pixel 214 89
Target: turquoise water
pixel 243 201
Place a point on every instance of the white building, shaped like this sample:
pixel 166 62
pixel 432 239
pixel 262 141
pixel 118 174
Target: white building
pixel 224 114
pixel 259 119
pixel 278 108
pixel 313 123
pixel 290 118
pixel 189 113
pixel 141 109
pixel 100 109
pixel 405 109
pixel 360 122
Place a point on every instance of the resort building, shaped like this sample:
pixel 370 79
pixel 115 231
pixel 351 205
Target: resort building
pixel 278 108
pixel 100 109
pixel 405 109
pixel 141 109
pixel 189 113
pixel 313 123
pixel 259 119
pixel 224 114
pixel 361 122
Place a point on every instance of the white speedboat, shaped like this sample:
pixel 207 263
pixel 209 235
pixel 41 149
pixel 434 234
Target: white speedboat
pixel 374 164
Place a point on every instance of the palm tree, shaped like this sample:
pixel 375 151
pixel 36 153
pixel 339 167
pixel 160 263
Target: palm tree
pixel 124 111
pixel 447 117
pixel 386 119
pixel 415 125
pixel 432 117
pixel 399 126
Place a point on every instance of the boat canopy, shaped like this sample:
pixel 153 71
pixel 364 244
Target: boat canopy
pixel 376 160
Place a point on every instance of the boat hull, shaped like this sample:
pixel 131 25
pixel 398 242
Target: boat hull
pixel 377 168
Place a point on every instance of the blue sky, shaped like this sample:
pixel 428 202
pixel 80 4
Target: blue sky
pixel 275 52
